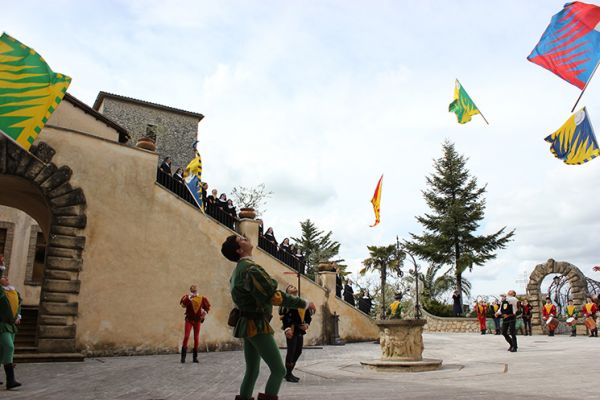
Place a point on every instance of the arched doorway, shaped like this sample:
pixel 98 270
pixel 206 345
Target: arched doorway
pixel 38 187
pixel 564 272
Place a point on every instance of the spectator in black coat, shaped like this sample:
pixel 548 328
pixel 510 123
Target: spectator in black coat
pixel 178 175
pixel 270 236
pixel 165 166
pixel 285 245
pixel 231 209
pixel 204 193
pixel 338 285
pixel 364 302
pixel 222 202
pixel 349 293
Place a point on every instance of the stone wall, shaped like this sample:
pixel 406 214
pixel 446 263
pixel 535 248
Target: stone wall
pixel 443 324
pixel 175 133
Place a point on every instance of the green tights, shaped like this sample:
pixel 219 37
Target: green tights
pixel 7 347
pixel 257 347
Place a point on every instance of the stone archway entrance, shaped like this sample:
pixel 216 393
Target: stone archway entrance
pixel 42 190
pixel 537 299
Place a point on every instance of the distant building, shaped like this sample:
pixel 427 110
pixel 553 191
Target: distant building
pixel 174 130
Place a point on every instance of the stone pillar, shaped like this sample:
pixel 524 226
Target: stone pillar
pixel 249 228
pixel 327 280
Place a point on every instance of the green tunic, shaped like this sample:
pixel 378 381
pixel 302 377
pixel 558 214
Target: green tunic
pixel 254 291
pixel 7 318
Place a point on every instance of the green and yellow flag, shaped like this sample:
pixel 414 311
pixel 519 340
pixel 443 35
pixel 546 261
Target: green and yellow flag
pixel 462 106
pixel 29 91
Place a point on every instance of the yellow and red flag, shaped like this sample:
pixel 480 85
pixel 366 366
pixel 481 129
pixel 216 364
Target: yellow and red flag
pixel 376 201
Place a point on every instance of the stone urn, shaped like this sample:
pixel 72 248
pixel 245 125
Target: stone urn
pixel 247 212
pixel 146 143
pixel 401 343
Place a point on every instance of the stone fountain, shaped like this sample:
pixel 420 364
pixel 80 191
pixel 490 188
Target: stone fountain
pixel 401 342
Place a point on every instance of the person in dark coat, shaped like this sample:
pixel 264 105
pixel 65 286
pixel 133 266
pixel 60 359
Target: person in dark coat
pixel 338 285
pixel 270 236
pixel 178 175
pixel 456 300
pixel 165 166
pixel 222 202
pixel 231 208
pixel 364 302
pixel 204 194
pixel 349 293
pixel 295 325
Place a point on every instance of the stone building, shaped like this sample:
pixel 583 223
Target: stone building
pixel 85 244
pixel 174 130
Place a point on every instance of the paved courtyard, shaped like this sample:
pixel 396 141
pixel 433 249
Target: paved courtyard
pixel 475 367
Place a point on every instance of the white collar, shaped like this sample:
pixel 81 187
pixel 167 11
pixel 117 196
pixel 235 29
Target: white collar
pixel 9 287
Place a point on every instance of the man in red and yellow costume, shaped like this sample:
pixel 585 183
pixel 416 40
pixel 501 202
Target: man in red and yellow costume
pixel 549 310
pixel 589 310
pixel 481 310
pixel 196 308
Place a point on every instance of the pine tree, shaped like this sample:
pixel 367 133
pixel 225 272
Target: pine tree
pixel 317 246
pixel 457 207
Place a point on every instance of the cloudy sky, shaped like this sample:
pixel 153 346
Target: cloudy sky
pixel 317 99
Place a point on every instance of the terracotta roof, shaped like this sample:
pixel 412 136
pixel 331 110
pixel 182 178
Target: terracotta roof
pixel 103 95
pixel 123 133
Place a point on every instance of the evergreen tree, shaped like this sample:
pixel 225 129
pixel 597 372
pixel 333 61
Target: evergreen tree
pixel 317 246
pixel 457 207
pixel 384 260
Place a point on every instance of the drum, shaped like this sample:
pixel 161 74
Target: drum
pixel 590 323
pixel 571 321
pixel 552 324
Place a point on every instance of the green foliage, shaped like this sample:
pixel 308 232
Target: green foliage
pixel 251 197
pixel 435 307
pixel 434 286
pixel 456 206
pixel 317 246
pixel 383 260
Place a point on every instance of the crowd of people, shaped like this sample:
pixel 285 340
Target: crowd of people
pixel 522 313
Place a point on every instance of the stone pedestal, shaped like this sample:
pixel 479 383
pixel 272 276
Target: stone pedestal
pixel 401 344
pixel 249 228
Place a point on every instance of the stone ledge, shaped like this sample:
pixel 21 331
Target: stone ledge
pixel 426 364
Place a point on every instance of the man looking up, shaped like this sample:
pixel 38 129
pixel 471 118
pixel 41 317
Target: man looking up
pixel 255 293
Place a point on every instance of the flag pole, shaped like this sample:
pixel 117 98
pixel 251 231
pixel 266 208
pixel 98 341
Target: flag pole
pixel 586 85
pixel 480 113
pixel 21 147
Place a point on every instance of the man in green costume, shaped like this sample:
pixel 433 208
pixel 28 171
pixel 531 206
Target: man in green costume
pixel 255 293
pixel 10 317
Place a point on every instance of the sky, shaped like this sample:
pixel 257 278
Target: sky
pixel 317 99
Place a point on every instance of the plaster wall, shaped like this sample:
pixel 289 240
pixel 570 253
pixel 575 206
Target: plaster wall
pixel 144 247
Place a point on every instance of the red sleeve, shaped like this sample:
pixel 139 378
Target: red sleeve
pixel 185 300
pixel 205 304
pixel 553 309
pixel 594 308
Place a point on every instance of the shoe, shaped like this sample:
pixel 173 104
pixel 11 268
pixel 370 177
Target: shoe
pixel 510 348
pixel 295 377
pixel 11 383
pixel 238 397
pixel 513 350
pixel 262 396
pixel 195 356
pixel 183 354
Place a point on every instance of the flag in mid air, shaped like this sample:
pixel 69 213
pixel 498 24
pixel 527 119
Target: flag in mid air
pixel 462 106
pixel 376 201
pixel 29 91
pixel 570 46
pixel 575 142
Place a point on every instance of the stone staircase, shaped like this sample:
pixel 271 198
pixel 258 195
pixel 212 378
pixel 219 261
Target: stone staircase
pixel 26 349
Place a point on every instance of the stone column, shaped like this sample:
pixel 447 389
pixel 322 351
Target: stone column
pixel 327 280
pixel 249 228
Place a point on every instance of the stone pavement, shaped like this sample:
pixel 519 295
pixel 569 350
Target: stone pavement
pixel 475 367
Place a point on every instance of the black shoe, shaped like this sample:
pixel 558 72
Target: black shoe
pixel 195 356
pixel 183 354
pixel 510 348
pixel 291 378
pixel 295 377
pixel 513 350
pixel 573 334
pixel 11 383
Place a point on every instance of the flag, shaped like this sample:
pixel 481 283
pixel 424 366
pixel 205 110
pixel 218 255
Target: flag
pixel 462 106
pixel 575 142
pixel 193 177
pixel 29 91
pixel 376 201
pixel 570 46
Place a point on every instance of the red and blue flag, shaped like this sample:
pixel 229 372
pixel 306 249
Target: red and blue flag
pixel 570 46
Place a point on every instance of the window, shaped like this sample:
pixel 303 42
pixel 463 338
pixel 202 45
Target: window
pixel 39 261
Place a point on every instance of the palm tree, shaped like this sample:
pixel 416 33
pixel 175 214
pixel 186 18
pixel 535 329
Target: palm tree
pixel 435 286
pixel 383 259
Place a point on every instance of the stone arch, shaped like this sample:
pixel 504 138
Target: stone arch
pixel 32 183
pixel 536 298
